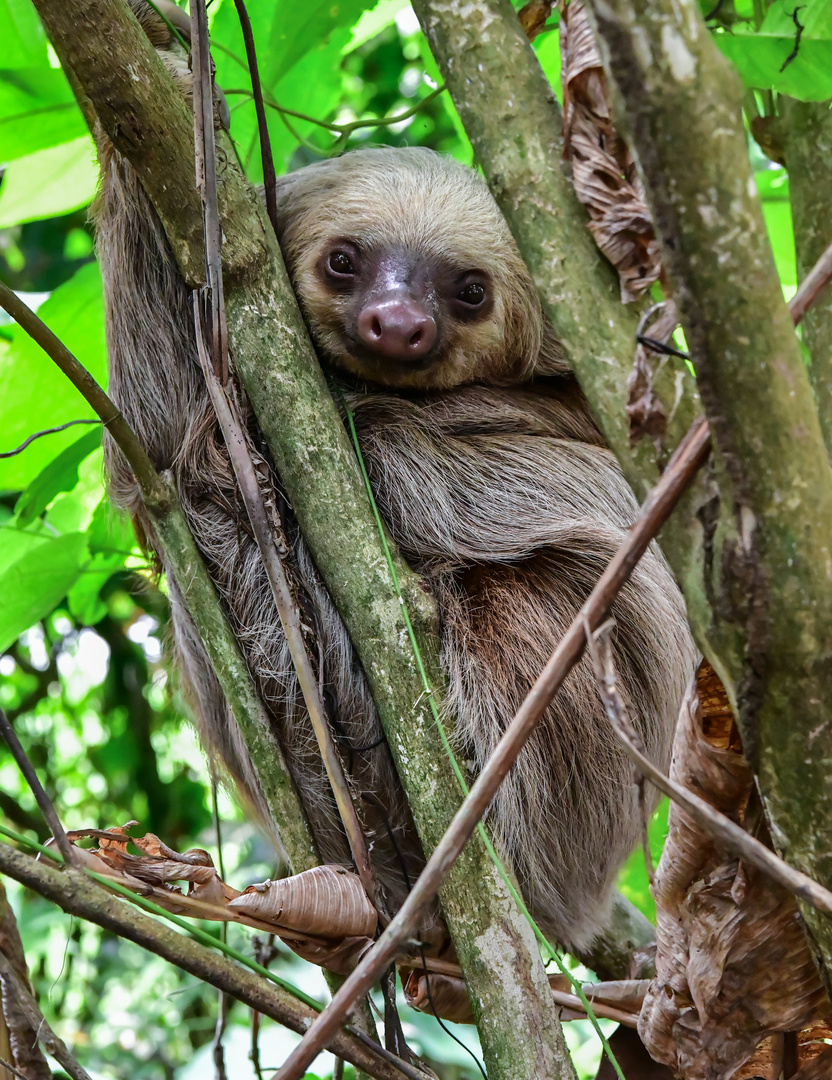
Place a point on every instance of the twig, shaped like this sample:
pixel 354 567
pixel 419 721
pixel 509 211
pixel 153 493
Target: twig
pixel 605 677
pixel 811 287
pixel 715 824
pixel 269 179
pixel 206 181
pixel 74 893
pixel 799 28
pixel 218 1050
pixel 40 434
pixel 10 1068
pixel 264 529
pixel 41 1030
pixel 81 379
pixel 290 620
pixel 41 798
pixel 685 462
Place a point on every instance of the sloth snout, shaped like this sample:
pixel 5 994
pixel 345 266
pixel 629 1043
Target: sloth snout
pixel 399 329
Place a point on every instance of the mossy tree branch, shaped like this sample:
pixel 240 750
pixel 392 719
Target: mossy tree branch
pixel 805 131
pixel 768 553
pixel 151 126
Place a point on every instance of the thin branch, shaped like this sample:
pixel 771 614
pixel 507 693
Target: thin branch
pixel 811 287
pixel 41 1030
pixel 206 176
pixel 683 466
pixel 86 385
pixel 715 824
pixel 290 620
pixel 39 435
pixel 74 893
pixel 41 798
pixel 10 1068
pixel 228 415
pixel 269 179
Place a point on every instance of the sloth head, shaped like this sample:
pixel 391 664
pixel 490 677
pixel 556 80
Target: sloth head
pixel 407 273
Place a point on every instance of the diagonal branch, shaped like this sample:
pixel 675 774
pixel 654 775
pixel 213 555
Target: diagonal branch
pixel 689 457
pixel 716 825
pixel 267 532
pixel 767 535
pixel 41 798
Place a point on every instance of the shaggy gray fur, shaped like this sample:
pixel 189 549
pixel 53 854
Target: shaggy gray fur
pixel 498 489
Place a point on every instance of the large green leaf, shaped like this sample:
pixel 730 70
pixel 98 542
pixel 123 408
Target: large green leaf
pixel 24 42
pixel 61 474
pixel 35 393
pixel 760 55
pixel 49 182
pixel 37 581
pixel 285 30
pixel 37 110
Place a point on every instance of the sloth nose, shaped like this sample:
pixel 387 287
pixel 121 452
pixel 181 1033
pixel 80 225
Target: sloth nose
pixel 399 329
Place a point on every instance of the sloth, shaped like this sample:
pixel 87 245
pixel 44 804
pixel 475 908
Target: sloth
pixel 491 476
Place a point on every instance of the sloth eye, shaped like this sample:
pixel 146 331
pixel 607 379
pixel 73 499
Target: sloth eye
pixel 472 294
pixel 341 264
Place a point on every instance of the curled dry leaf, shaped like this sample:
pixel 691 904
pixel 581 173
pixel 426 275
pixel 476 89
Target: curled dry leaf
pixel 645 411
pixel 446 995
pixel 603 172
pixel 323 914
pixel 326 901
pixel 732 962
pixel 533 16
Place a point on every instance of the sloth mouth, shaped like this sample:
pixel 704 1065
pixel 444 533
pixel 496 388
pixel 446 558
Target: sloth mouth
pixel 385 367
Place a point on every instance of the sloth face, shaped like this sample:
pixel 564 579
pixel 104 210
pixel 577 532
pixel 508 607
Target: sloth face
pixel 406 271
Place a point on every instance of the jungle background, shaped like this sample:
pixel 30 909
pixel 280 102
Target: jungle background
pixel 83 618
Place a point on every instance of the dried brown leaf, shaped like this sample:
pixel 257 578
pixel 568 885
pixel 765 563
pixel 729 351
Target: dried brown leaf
pixel 645 410
pixel 603 172
pixel 533 16
pixel 326 901
pixel 732 962
pixel 447 995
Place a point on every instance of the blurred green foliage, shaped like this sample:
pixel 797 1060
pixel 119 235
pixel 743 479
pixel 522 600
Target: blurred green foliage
pixel 83 618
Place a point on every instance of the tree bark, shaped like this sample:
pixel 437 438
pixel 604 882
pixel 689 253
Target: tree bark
pixel 767 556
pixel 149 123
pixel 805 129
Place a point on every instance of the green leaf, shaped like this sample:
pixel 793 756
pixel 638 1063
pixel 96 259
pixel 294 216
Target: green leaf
pixel 285 31
pixel 759 56
pixel 24 42
pixel 37 110
pixel 632 879
pixel 61 474
pixel 37 581
pixel 85 603
pixel 111 532
pixel 35 393
pixel 49 182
